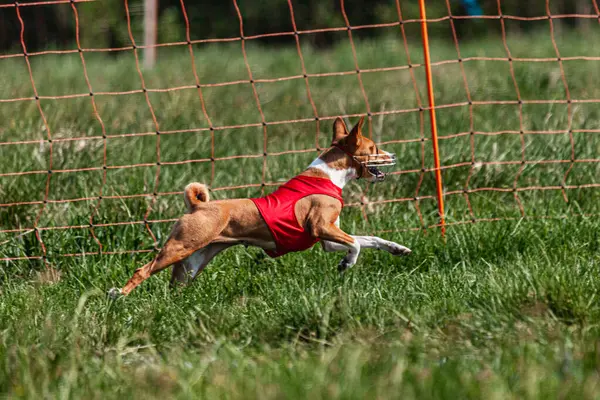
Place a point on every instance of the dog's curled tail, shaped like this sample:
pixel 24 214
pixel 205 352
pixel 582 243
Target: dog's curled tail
pixel 194 194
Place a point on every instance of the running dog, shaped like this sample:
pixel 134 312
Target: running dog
pixel 300 213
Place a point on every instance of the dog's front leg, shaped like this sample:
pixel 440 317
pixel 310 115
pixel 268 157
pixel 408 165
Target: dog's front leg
pixel 374 242
pixel 368 242
pixel 371 242
pixel 333 235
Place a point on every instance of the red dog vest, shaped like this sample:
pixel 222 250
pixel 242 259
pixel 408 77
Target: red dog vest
pixel 278 211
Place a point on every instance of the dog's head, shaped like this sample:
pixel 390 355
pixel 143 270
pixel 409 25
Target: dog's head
pixel 361 152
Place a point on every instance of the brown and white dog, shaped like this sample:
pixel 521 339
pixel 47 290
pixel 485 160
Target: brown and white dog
pixel 210 227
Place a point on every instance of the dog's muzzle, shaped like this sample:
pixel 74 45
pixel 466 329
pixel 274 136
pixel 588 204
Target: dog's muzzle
pixel 375 162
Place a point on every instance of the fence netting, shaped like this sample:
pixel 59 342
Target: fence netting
pixel 94 162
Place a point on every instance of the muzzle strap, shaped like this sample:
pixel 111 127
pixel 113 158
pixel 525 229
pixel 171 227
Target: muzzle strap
pixel 353 158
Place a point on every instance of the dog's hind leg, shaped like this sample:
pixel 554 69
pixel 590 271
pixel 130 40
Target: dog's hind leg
pixel 172 252
pixel 189 234
pixel 187 270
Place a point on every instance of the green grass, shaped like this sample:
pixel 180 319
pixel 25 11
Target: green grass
pixel 503 309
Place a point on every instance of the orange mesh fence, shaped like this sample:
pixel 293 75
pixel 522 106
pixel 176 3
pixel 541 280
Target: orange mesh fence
pixel 465 189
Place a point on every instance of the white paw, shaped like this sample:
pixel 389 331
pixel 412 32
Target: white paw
pixel 114 293
pixel 345 264
pixel 398 250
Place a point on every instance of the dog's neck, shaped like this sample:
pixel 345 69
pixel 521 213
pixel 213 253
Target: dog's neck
pixel 334 165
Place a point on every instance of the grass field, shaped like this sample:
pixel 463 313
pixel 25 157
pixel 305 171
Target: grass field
pixel 504 309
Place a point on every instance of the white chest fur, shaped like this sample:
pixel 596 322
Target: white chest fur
pixel 339 177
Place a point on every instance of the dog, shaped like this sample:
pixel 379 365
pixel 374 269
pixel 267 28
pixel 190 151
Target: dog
pixel 302 212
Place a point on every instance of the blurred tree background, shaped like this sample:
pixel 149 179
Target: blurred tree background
pixel 103 22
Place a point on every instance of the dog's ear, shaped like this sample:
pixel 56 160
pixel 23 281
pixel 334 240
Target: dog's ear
pixel 339 130
pixel 357 130
pixel 354 138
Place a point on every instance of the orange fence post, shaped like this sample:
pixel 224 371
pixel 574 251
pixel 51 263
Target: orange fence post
pixel 434 135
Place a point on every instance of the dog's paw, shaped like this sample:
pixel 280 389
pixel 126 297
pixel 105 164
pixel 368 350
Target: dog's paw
pixel 344 265
pixel 114 293
pixel 399 250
